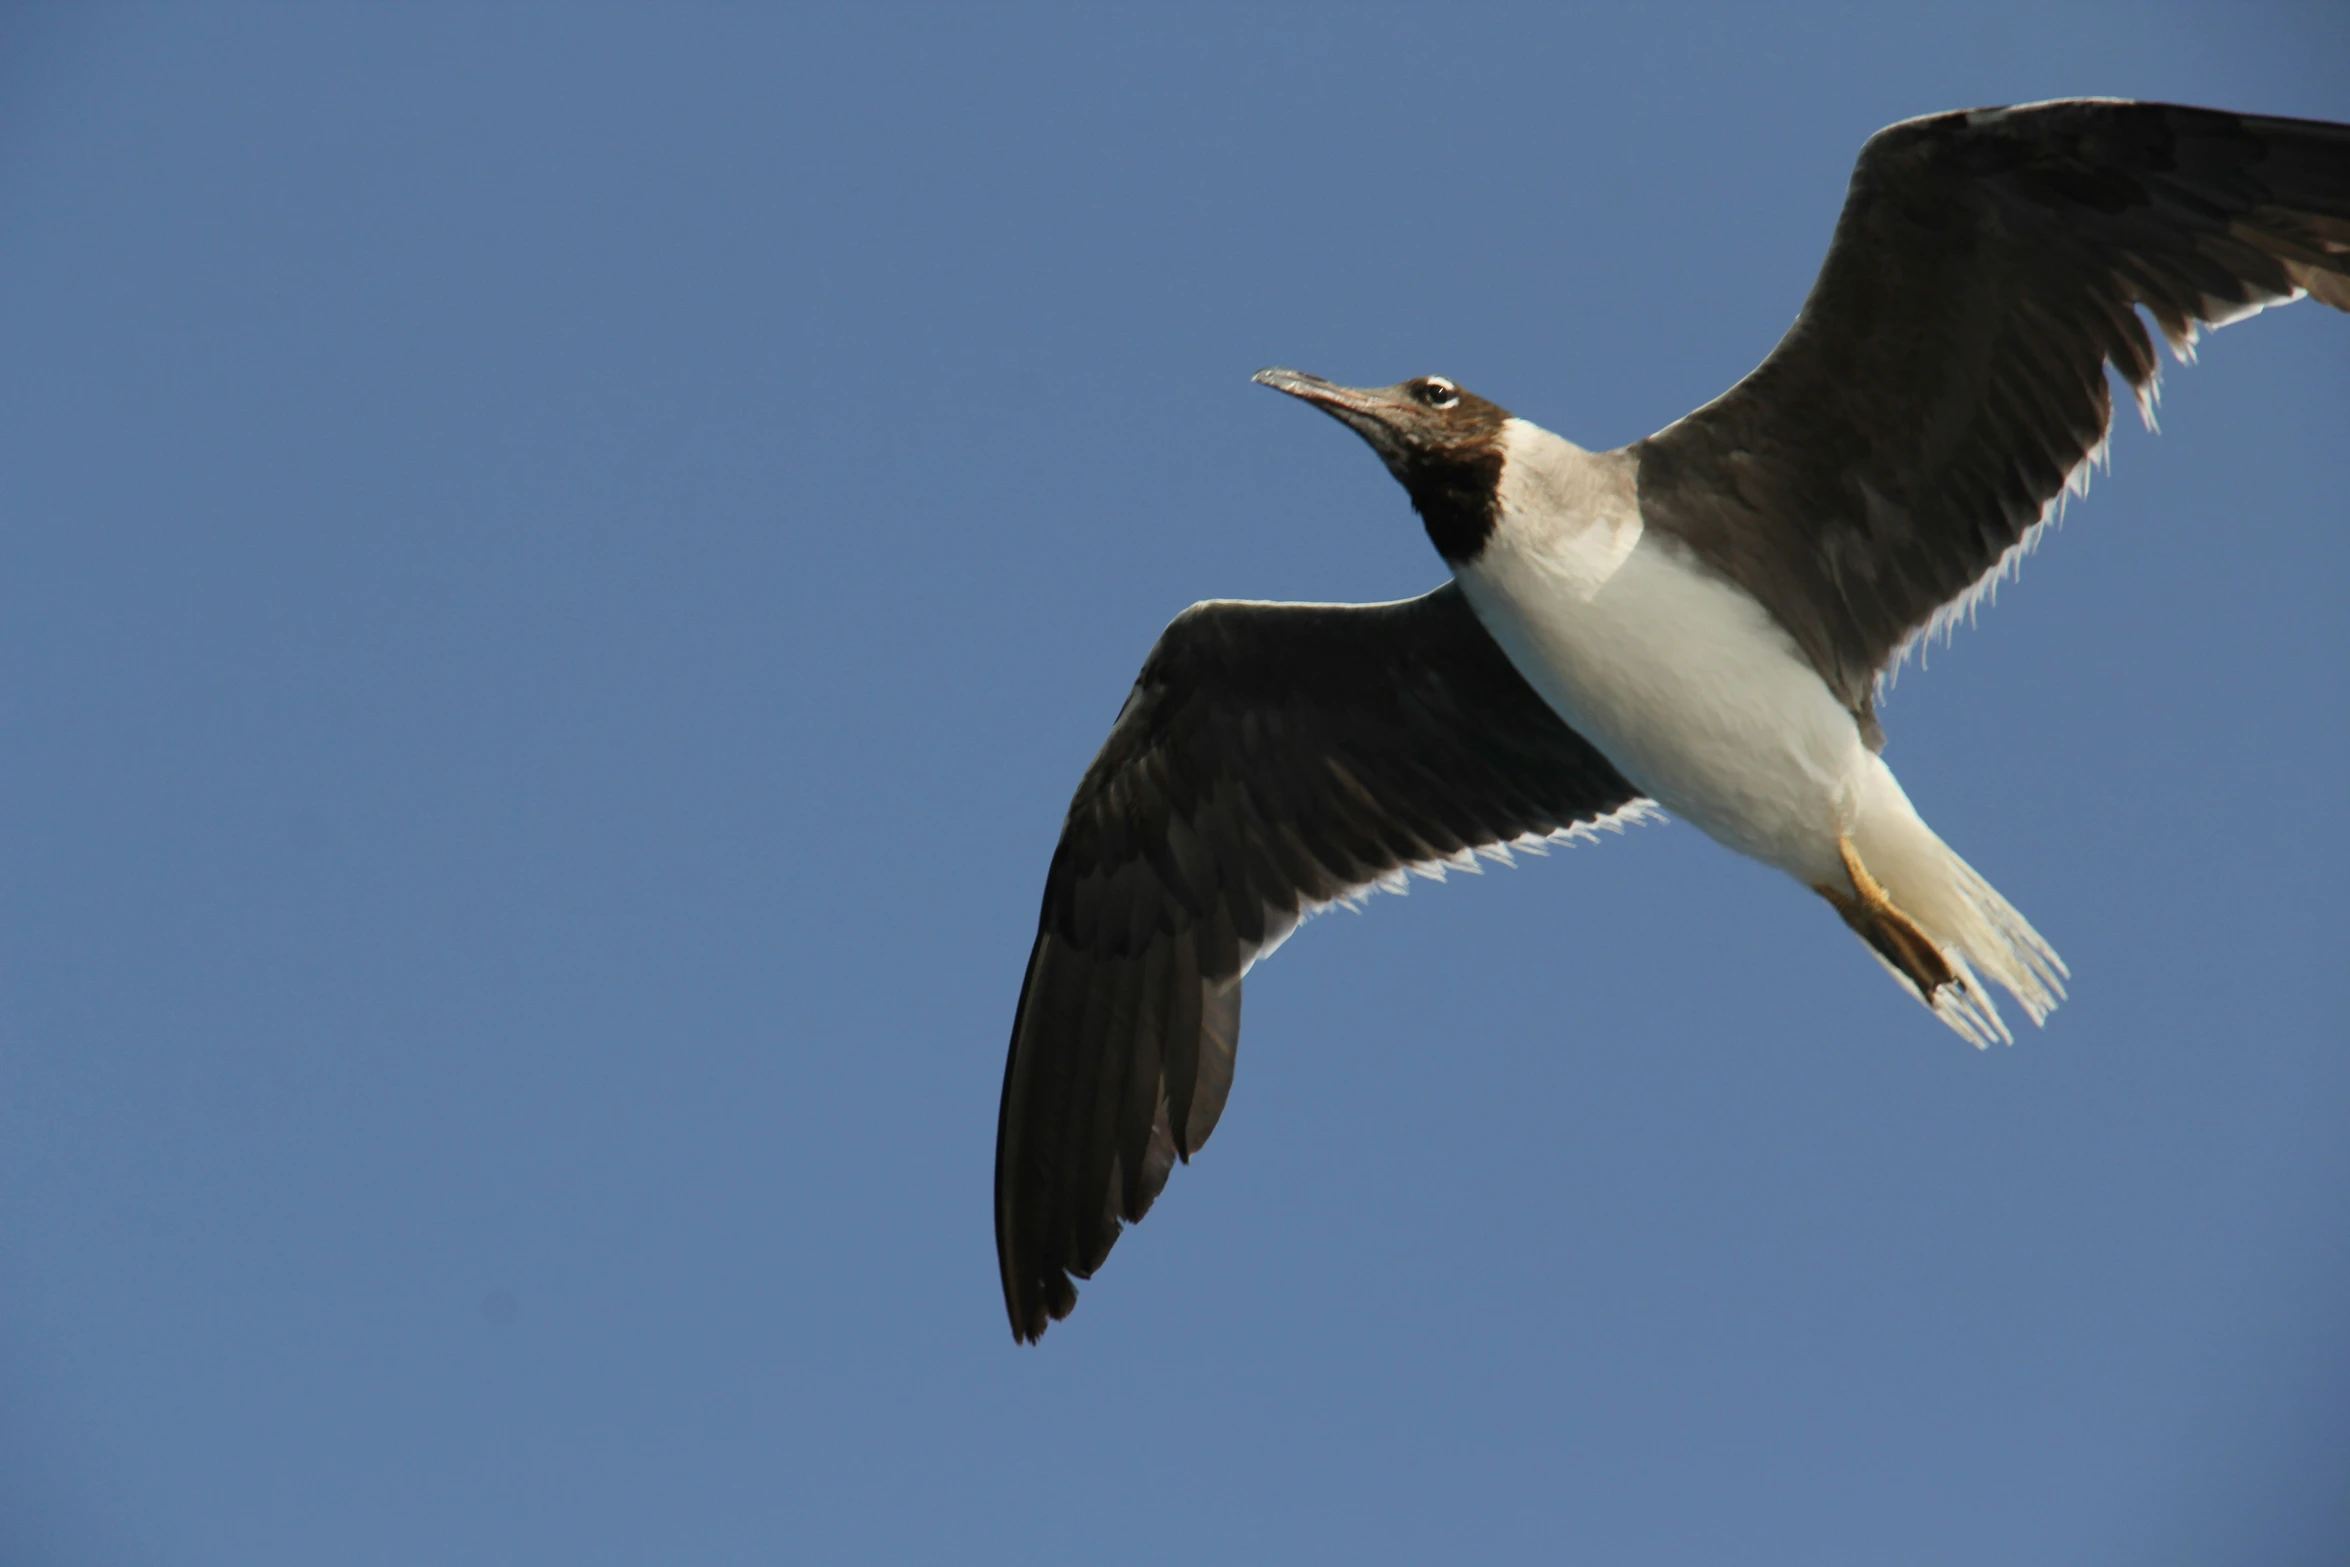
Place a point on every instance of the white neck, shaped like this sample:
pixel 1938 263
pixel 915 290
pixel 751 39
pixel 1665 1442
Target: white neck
pixel 1576 513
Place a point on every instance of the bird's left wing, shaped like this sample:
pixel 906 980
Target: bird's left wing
pixel 1273 758
pixel 1946 377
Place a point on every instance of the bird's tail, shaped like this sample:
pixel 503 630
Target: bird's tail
pixel 1977 934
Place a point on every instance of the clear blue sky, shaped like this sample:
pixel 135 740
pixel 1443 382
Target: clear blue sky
pixel 559 567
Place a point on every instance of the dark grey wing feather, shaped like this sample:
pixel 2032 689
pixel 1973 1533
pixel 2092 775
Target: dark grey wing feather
pixel 1946 377
pixel 1272 758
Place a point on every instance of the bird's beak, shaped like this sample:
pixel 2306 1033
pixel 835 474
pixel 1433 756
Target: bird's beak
pixel 1378 414
pixel 1328 395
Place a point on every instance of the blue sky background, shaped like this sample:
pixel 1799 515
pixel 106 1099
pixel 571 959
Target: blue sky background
pixel 559 567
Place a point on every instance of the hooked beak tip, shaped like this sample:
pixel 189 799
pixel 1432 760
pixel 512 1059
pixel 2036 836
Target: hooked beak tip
pixel 1297 384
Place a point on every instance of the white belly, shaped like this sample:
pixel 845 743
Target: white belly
pixel 1702 701
pixel 1683 681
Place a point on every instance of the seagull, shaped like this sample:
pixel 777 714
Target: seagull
pixel 1698 622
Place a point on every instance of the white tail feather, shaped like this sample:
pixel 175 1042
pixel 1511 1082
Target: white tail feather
pixel 1977 931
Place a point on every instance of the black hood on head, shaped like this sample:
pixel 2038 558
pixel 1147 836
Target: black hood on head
pixel 1442 444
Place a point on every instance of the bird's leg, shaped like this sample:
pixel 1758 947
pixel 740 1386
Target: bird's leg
pixel 1893 934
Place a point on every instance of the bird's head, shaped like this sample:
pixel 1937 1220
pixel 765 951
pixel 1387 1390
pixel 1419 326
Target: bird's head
pixel 1443 444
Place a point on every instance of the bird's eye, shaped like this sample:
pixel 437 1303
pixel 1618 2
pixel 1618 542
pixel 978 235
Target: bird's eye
pixel 1437 392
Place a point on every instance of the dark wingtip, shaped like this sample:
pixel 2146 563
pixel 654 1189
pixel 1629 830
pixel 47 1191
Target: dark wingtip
pixel 1030 1317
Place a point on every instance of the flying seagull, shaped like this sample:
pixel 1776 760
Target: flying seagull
pixel 1698 620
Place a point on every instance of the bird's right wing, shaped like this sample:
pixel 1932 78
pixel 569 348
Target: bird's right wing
pixel 1273 758
pixel 1946 377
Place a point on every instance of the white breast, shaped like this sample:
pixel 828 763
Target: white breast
pixel 1681 678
